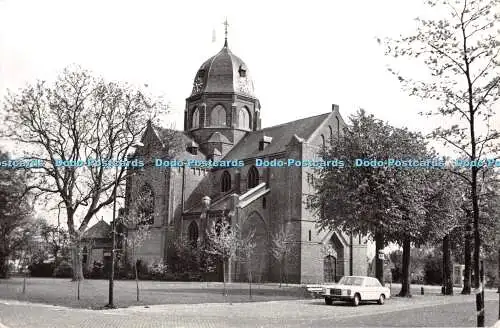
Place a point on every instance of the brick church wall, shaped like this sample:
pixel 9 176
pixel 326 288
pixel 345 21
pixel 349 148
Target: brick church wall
pixel 151 251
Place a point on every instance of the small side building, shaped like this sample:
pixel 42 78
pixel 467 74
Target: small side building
pixel 96 245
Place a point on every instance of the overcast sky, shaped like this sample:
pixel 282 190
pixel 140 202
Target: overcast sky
pixel 303 56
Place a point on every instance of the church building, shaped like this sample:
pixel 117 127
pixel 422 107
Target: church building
pixel 222 123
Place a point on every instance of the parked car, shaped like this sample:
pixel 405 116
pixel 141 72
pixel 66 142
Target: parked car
pixel 356 289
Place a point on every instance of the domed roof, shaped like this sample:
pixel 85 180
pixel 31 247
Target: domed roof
pixel 223 73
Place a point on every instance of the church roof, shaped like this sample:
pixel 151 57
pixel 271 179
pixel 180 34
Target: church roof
pixel 223 73
pixel 183 140
pixel 218 137
pixel 100 230
pixel 281 135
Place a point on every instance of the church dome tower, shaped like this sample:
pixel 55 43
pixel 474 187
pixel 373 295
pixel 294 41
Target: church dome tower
pixel 222 107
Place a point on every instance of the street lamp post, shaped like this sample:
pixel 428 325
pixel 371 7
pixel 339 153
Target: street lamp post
pixel 111 304
pixel 113 246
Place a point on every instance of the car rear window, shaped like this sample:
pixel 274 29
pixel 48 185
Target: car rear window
pixel 353 281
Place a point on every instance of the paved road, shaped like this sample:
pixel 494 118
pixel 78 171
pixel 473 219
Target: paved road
pixel 437 311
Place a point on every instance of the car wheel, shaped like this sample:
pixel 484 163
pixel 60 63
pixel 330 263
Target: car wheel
pixel 381 299
pixel 356 300
pixel 328 301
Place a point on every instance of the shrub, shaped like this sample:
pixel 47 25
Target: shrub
pixel 40 269
pixel 491 279
pixel 123 270
pixel 97 271
pixel 158 271
pixel 63 270
pixel 433 271
pixel 142 270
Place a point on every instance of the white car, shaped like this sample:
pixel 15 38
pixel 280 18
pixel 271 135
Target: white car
pixel 356 289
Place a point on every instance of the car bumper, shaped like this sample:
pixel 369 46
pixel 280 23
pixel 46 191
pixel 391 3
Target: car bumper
pixel 338 297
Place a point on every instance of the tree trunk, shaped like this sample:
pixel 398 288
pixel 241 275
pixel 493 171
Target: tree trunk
pixel 379 263
pixel 4 266
pixel 477 237
pixel 224 276
pixel 467 258
pixel 281 273
pixel 447 267
pixel 24 282
pixel 77 263
pixel 250 278
pixel 498 291
pixel 405 279
pixel 285 270
pixel 136 281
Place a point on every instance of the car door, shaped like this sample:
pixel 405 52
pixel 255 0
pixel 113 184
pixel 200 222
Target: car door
pixel 371 288
pixel 376 288
pixel 366 289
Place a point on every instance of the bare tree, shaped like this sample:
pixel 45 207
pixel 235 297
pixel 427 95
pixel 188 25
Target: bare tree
pixel 281 249
pixel 223 242
pixel 27 250
pixel 78 128
pixel 138 222
pixel 15 212
pixel 247 251
pixel 55 237
pixel 461 51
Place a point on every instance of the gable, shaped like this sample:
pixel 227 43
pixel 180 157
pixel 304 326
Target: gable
pixel 100 230
pixel 281 135
pixel 331 127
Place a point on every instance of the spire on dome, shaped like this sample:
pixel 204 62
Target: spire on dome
pixel 226 24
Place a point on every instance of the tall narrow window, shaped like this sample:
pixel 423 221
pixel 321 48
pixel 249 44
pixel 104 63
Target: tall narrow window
pixel 146 204
pixel 218 116
pixel 338 127
pixel 323 142
pixel 310 235
pixel 331 134
pixel 193 234
pixel 196 119
pixel 253 177
pixel 226 181
pixel 244 119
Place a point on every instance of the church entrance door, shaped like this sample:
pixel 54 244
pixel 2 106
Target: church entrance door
pixel 329 268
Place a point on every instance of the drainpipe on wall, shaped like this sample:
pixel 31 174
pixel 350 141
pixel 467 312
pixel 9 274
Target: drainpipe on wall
pixel 350 256
pixel 182 199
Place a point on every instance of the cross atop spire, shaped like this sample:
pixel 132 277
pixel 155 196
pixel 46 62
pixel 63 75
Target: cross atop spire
pixel 226 24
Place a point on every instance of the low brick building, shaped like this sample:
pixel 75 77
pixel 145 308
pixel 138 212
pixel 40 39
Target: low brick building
pixel 96 246
pixel 222 123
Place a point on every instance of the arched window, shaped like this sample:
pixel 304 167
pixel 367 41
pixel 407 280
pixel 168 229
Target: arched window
pixel 338 127
pixel 193 234
pixel 226 181
pixel 253 177
pixel 331 134
pixel 323 142
pixel 196 119
pixel 146 205
pixel 244 119
pixel 218 117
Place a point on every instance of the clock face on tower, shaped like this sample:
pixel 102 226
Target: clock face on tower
pixel 197 85
pixel 243 85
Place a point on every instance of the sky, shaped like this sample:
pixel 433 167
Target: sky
pixel 304 56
